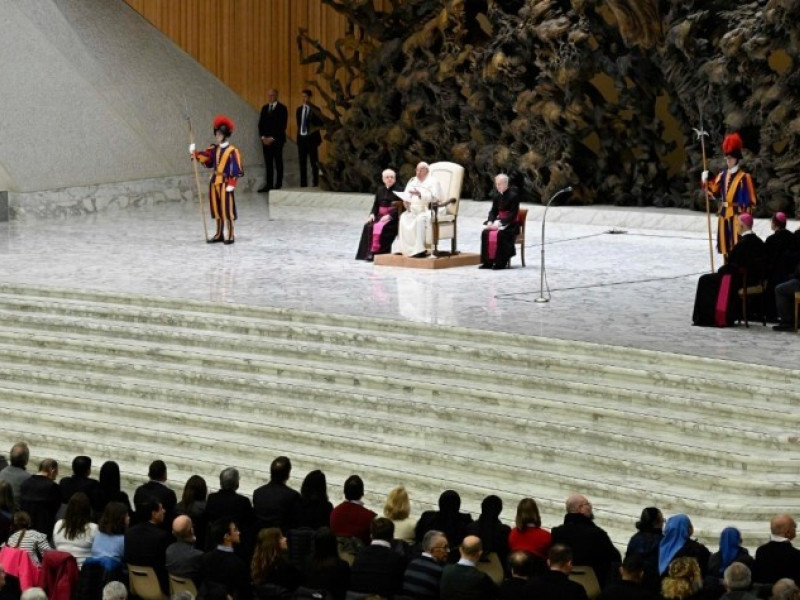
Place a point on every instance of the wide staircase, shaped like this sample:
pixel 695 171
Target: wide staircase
pixel 209 385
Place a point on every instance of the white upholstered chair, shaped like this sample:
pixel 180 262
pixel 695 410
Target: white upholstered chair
pixel 450 176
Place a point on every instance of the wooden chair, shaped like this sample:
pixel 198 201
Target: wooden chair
pixel 179 584
pixel 451 177
pixel 796 309
pixel 754 283
pixel 522 218
pixel 490 564
pixel 587 578
pixel 143 583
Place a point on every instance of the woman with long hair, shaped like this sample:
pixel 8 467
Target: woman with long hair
pixel 109 489
pixel 494 534
pixel 269 566
pixel 314 509
pixel 23 537
pixel 75 533
pixel 326 570
pixel 645 543
pixel 6 509
pixel 397 509
pixel 193 505
pixel 528 535
pixel 110 539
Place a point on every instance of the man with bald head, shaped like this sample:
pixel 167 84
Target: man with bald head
pixel 183 559
pixel 590 544
pixel 778 558
pixel 463 581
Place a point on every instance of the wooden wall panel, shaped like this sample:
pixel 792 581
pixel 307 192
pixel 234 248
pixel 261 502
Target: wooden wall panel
pixel 250 45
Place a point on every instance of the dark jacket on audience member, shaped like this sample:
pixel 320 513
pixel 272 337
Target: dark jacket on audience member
pixel 157 491
pixel 555 585
pixel 225 572
pixel 464 582
pixel 627 590
pixel 274 505
pixel 76 483
pixel 334 579
pixel 184 560
pixel 776 560
pixel 422 577
pixel 230 504
pixel 146 546
pixel 513 589
pixel 590 544
pixel 377 570
pixel 40 497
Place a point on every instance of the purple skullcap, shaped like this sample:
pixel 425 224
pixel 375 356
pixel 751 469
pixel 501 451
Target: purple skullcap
pixel 746 219
pixel 780 217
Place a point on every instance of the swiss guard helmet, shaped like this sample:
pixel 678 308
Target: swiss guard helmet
pixel 224 125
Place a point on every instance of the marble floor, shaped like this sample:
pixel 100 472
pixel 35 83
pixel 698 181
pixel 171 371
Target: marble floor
pixel 630 283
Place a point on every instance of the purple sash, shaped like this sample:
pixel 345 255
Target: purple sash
pixel 377 227
pixel 492 251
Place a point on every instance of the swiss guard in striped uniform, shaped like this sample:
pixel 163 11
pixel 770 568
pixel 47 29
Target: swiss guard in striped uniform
pixel 226 161
pixel 734 190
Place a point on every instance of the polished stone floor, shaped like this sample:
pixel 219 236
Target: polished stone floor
pixel 622 277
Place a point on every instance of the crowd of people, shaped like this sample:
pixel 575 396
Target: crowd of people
pixel 288 544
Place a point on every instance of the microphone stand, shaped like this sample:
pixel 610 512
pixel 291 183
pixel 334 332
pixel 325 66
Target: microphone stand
pixel 541 299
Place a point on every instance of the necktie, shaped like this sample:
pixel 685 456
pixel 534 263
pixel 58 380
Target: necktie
pixel 304 122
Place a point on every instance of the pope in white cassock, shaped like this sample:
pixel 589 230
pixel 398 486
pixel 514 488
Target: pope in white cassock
pixel 421 190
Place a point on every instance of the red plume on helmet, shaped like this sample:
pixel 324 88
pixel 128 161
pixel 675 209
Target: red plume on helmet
pixel 224 124
pixel 732 145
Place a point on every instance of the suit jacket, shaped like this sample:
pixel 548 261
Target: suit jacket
pixel 513 589
pixel 275 506
pixel 315 123
pixel 273 124
pixel 776 560
pixel 185 560
pixel 377 570
pixel 227 503
pixel 463 582
pixel 590 544
pixel 160 492
pixel 40 497
pixel 226 571
pixel 555 585
pixel 146 546
pixel 627 590
pixel 74 483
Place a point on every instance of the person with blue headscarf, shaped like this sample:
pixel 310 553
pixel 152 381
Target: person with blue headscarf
pixel 730 551
pixel 677 543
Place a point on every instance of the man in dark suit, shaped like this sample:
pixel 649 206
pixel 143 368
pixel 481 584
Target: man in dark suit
pixel 377 569
pixel 272 129
pixel 556 584
pixel 590 544
pixel 629 587
pixel 274 502
pixel 157 489
pixel 79 481
pixel 40 496
pixel 513 588
pixel 778 558
pixel 463 581
pixel 227 503
pixel 146 543
pixel 309 139
pixel 224 573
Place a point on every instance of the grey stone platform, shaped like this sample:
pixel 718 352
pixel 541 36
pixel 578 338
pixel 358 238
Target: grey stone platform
pixel 123 335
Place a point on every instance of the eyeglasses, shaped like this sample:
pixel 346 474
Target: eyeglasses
pixel 447 548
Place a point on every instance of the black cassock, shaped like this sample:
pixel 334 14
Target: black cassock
pixel 383 204
pixel 505 207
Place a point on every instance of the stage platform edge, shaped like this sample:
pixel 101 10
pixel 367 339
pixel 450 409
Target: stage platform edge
pixel 462 259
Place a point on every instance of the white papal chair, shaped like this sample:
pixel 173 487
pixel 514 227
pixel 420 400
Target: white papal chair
pixel 444 227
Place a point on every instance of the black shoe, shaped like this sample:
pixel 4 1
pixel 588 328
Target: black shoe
pixel 499 267
pixel 783 327
pixel 214 240
pixel 422 254
pixel 263 190
pixel 369 258
pixel 228 242
pixel 486 266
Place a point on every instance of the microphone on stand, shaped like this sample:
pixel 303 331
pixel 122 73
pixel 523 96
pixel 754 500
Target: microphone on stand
pixel 542 299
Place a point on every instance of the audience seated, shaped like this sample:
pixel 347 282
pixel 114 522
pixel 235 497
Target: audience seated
pixel 351 519
pixel 109 489
pixel 26 538
pixel 193 505
pixel 677 543
pixel 326 571
pixel 422 576
pixel 270 570
pixel 157 488
pixel 590 545
pixel 313 509
pixel 463 581
pixel 521 564
pixel 115 590
pixel 79 481
pixel 738 583
pixel 492 533
pixel 397 509
pixel 146 542
pixel 778 558
pixel 645 543
pixel 730 551
pixel 224 573
pixel 274 502
pixel 555 584
pixel 448 519
pixel 682 580
pixel 528 535
pixel 15 473
pixel 228 503
pixel 41 496
pixel 181 557
pixel 785 589
pixel 631 584
pixel 782 250
pixel 6 510
pixel 110 539
pixel 75 533
pixel 377 569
